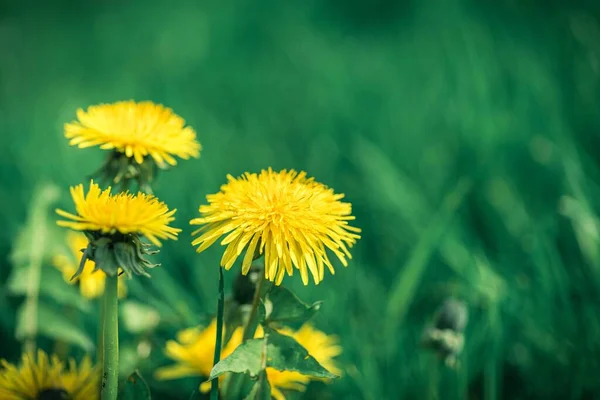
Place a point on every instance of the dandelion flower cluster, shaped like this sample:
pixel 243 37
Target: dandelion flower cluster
pixel 42 377
pixel 135 129
pixel 289 218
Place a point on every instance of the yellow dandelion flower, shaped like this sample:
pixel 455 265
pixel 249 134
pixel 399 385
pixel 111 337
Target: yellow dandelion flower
pixel 295 219
pixel 193 352
pixel 322 347
pixel 44 377
pixel 91 283
pixel 123 212
pixel 135 129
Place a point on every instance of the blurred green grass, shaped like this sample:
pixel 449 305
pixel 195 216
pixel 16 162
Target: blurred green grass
pixel 464 133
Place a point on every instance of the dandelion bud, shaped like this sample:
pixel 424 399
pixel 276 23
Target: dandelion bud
pixel 445 336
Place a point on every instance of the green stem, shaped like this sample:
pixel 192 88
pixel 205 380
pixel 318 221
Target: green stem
pixel 214 386
pixel 110 368
pixel 236 381
pixel 100 345
pixel 252 324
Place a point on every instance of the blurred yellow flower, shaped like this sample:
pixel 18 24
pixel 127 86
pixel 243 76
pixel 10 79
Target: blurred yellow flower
pixel 123 212
pixel 322 347
pixel 91 283
pixel 193 352
pixel 45 378
pixel 294 218
pixel 135 129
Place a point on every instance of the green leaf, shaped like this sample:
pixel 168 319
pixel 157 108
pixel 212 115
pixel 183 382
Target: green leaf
pixel 283 354
pixel 244 359
pixel 287 307
pixel 134 388
pixel 55 325
pixel 261 389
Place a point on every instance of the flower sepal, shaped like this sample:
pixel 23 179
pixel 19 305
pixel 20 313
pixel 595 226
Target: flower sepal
pixel 117 252
pixel 118 169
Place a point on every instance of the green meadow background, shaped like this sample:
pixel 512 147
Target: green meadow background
pixel 466 134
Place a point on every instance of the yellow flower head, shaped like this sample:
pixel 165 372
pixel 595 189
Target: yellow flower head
pixel 41 377
pixel 123 212
pixel 322 347
pixel 193 352
pixel 293 217
pixel 91 283
pixel 135 129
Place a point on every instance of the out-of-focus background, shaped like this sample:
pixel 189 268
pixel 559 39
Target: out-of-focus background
pixel 465 133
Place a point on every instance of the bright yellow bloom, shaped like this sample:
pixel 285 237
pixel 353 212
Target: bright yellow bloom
pixel 194 351
pixel 294 218
pixel 123 212
pixel 136 129
pixel 320 346
pixel 91 283
pixel 43 377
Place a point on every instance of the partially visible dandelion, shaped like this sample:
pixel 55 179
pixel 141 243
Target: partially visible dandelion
pixel 289 218
pixel 114 224
pixel 135 129
pixel 41 377
pixel 135 132
pixel 91 281
pixel 322 347
pixel 193 353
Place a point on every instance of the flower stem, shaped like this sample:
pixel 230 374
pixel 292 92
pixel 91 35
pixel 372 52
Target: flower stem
pixel 214 387
pixel 252 324
pixel 100 345
pixel 236 381
pixel 110 367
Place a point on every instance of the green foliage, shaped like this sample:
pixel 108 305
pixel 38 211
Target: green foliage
pixel 285 354
pixel 261 389
pixel 134 388
pixel 246 358
pixel 287 307
pixel 281 352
